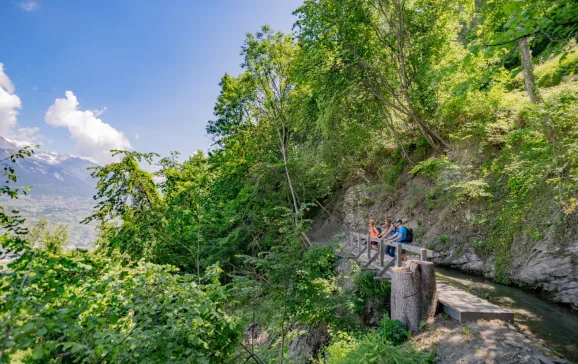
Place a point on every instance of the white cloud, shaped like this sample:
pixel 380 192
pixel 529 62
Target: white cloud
pixel 29 135
pixel 97 113
pixel 28 5
pixel 136 136
pixel 94 137
pixel 9 104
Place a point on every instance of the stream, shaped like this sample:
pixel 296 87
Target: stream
pixel 555 324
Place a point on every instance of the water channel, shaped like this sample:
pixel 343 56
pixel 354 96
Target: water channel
pixel 555 324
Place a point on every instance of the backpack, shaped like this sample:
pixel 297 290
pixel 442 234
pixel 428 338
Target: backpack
pixel 409 235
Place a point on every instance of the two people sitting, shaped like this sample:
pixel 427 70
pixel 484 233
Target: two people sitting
pixel 393 233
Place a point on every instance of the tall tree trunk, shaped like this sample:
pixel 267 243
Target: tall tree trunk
pixel 530 84
pixel 529 81
pixel 284 153
pixel 430 135
pixel 396 136
pixel 290 183
pixel 198 258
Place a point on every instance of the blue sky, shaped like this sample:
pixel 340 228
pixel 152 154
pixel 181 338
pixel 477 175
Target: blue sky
pixel 154 64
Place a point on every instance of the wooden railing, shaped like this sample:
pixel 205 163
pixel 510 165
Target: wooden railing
pixel 360 244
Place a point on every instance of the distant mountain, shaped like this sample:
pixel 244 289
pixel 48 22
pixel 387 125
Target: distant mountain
pixel 51 173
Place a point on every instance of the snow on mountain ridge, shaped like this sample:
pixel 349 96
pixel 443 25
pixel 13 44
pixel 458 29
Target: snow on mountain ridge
pixel 19 143
pixel 47 157
pixel 50 172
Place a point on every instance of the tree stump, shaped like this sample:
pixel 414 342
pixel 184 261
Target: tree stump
pixel 429 297
pixel 413 293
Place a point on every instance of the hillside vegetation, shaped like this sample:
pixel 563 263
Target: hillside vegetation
pixel 214 263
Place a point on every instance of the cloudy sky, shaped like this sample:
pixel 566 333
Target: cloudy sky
pixel 84 76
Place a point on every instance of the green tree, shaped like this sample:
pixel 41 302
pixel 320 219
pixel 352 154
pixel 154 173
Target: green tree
pixel 391 48
pixel 129 207
pixel 12 221
pixel 506 25
pixel 41 236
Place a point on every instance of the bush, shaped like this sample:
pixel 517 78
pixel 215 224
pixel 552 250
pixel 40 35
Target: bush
pixel 371 288
pixel 431 167
pixel 371 348
pixel 373 297
pixel 83 308
pixel 394 331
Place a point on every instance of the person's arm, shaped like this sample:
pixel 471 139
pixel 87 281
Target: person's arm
pixel 401 234
pixel 390 229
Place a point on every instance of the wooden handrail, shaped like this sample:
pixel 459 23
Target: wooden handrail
pixel 384 242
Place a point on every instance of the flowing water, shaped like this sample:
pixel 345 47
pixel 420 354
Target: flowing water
pixel 555 324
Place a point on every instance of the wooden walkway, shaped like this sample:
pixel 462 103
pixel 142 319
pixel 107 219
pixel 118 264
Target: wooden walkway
pixel 456 303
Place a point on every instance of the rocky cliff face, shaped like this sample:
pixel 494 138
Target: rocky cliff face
pixel 544 264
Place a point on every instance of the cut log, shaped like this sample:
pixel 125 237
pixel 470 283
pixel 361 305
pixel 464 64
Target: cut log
pixel 429 297
pixel 413 293
pixel 405 296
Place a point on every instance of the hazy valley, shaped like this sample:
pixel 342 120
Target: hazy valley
pixel 61 190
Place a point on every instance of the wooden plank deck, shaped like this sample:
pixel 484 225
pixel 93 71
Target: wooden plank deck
pixel 456 303
pixel 463 306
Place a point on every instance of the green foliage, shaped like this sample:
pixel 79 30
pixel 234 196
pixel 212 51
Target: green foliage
pixel 82 308
pixel 42 237
pixel 504 22
pixel 431 167
pixel 472 190
pixel 371 288
pixel 527 161
pixel 394 331
pixel 551 72
pixel 371 348
pixel 304 279
pixel 370 293
pixel 128 197
pixel 451 179
pixel 12 221
pixel 362 91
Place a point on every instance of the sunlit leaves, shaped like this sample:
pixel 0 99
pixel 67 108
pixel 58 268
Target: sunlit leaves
pixel 86 309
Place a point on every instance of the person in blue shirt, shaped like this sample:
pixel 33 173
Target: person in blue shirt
pixel 400 236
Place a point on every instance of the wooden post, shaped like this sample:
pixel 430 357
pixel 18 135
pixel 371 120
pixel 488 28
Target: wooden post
pixel 413 293
pixel 381 252
pixel 351 247
pixel 358 244
pixel 368 247
pixel 398 255
pixel 424 255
